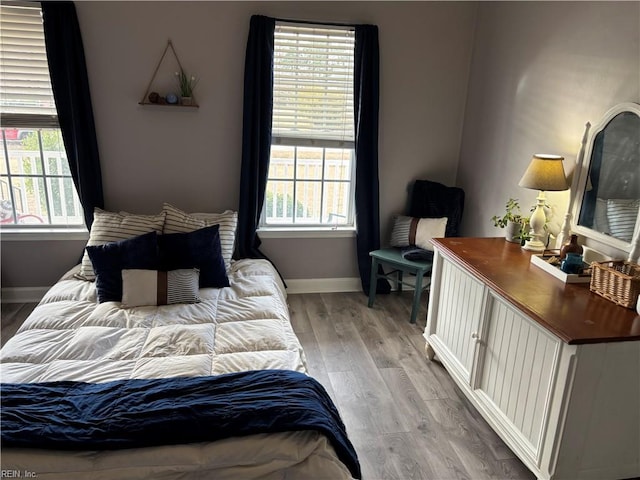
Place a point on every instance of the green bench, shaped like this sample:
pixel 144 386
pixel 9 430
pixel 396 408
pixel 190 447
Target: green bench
pixel 393 257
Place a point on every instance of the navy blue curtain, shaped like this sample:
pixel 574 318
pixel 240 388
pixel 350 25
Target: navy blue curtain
pixel 366 105
pixel 256 133
pixel 70 83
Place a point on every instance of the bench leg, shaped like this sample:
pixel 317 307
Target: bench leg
pixel 373 281
pixel 416 297
pixel 399 281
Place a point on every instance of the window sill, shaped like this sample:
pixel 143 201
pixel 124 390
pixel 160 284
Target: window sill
pixel 43 234
pixel 311 232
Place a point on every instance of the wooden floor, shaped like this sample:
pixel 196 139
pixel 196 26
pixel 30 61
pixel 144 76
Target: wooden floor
pixel 13 314
pixel 404 415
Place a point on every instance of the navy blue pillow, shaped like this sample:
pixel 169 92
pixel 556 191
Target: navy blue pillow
pixel 198 249
pixel 110 259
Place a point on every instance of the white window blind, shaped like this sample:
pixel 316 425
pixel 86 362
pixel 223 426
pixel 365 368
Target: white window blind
pixel 25 85
pixel 313 83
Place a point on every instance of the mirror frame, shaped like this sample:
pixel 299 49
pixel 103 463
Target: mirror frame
pixel 578 185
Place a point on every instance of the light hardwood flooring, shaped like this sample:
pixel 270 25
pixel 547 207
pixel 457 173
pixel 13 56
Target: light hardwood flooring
pixel 405 416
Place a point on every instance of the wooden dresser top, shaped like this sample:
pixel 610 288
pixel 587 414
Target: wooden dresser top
pixel 571 311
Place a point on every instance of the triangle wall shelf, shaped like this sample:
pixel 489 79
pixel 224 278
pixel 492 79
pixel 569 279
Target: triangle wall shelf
pixel 162 101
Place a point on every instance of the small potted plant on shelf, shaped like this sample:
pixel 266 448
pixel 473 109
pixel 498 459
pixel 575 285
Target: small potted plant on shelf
pixel 187 84
pixel 516 224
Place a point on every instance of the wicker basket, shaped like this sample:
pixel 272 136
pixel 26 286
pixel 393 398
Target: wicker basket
pixel 616 281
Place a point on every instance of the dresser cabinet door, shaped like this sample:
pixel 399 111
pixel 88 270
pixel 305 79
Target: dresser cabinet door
pixel 459 307
pixel 516 373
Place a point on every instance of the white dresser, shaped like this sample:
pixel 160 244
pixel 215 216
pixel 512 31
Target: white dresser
pixel 552 367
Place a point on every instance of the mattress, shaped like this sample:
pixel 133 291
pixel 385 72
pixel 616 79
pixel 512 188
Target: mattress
pixel 246 326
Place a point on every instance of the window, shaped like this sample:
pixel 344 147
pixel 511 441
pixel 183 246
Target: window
pixel 312 165
pixel 36 187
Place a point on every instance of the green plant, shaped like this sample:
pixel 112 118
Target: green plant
pixel 524 233
pixel 512 214
pixel 51 140
pixel 280 205
pixel 186 83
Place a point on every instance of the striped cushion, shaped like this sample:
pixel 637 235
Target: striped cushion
pixel 417 231
pixel 622 216
pixel 152 287
pixel 111 227
pixel 178 221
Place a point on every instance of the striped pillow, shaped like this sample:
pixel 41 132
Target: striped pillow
pixel 152 287
pixel 417 231
pixel 178 221
pixel 111 227
pixel 622 216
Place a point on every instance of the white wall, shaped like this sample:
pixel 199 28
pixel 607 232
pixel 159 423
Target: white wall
pixel 540 71
pixel 192 157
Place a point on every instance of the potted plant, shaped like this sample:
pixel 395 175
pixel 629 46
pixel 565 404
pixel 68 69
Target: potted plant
pixel 523 232
pixel 515 223
pixel 187 84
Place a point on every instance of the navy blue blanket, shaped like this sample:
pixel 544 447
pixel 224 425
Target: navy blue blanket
pixel 142 413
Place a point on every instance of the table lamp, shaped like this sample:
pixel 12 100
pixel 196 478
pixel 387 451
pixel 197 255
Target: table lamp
pixel 545 173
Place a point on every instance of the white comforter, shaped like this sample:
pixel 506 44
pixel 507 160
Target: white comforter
pixel 243 327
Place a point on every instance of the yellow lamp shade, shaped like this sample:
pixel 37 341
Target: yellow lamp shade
pixel 545 172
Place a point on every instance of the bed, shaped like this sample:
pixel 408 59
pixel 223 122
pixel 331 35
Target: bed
pixel 240 332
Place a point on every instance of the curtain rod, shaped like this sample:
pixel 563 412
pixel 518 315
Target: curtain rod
pixel 309 22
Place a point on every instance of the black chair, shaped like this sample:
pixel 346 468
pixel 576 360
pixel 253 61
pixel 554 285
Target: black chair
pixel 428 200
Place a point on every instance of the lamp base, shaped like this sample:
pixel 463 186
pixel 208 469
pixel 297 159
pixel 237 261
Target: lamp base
pixel 537 221
pixel 534 245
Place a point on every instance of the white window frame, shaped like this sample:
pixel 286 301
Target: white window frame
pixel 22 116
pixel 300 228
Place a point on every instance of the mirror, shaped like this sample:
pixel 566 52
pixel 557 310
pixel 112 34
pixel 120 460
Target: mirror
pixel 607 181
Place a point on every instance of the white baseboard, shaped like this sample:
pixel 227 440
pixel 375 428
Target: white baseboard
pixel 323 285
pixel 22 294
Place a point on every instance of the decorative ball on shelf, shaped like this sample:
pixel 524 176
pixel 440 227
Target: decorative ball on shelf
pixel 154 97
pixel 172 98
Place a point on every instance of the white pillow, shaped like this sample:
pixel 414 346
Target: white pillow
pixel 417 231
pixel 152 287
pixel 178 221
pixel 111 227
